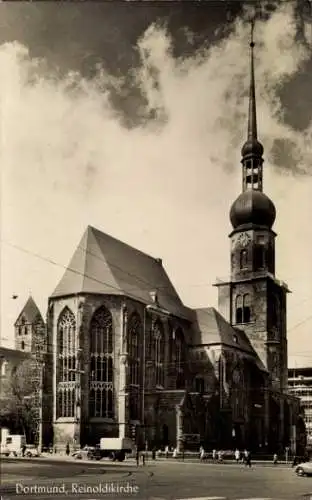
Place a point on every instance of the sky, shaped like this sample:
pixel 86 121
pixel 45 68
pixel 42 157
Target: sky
pixel 130 118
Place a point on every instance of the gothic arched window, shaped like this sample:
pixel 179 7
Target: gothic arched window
pixel 159 353
pixel 134 334
pixel 243 259
pixel 179 359
pixel 101 364
pixel 66 364
pixel 246 308
pixel 239 309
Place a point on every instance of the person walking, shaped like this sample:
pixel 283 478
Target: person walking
pixel 137 456
pixel 167 451
pixel 201 453
pixel 237 455
pixel 214 455
pixel 220 456
pixel 67 449
pixel 275 459
pixel 248 459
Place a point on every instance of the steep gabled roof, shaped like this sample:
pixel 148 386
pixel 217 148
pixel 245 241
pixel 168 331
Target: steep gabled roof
pixel 30 312
pixel 102 264
pixel 211 328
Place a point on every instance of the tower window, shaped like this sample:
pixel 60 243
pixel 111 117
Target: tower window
pixel 242 309
pixel 259 257
pixel 246 308
pixel 239 309
pixel 22 345
pixel 243 259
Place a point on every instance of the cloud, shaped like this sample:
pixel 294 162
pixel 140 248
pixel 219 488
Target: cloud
pixel 69 159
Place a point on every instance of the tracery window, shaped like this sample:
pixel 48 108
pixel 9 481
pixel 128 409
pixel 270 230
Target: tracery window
pixel 179 359
pixel 158 353
pixel 134 334
pixel 66 360
pixel 101 364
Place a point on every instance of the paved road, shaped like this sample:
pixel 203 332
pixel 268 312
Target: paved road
pixel 160 481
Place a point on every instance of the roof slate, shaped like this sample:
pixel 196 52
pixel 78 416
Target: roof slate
pixel 30 312
pixel 102 264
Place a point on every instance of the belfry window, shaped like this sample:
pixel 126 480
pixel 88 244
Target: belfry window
pixel 242 309
pixel 243 259
pixel 101 364
pixel 134 331
pixel 239 309
pixel 66 364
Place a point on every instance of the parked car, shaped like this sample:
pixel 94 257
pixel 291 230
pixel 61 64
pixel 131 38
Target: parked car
pixel 4 450
pixel 31 451
pixel 304 469
pixel 85 453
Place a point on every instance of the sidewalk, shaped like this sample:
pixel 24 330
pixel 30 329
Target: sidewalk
pixel 131 461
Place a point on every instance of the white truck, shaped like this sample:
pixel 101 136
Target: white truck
pixel 115 448
pixel 13 444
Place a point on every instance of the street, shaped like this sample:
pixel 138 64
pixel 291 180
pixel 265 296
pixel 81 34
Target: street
pixel 167 480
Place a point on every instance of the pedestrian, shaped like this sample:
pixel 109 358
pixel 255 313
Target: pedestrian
pixel 143 458
pixel 167 451
pixel 220 456
pixel 137 456
pixel 275 459
pixel 248 459
pixel 245 456
pixel 201 453
pixel 214 455
pixel 67 449
pixel 295 461
pixel 154 453
pixel 175 453
pixel 237 455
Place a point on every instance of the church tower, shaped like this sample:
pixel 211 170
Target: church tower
pixel 253 299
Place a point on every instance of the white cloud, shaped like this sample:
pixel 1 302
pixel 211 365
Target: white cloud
pixel 165 186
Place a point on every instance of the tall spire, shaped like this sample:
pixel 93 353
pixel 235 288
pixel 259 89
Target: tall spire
pixel 252 115
pixel 252 150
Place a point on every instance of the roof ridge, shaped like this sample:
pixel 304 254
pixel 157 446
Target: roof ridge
pixel 122 242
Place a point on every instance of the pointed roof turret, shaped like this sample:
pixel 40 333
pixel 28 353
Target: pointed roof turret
pixel 30 312
pixel 252 146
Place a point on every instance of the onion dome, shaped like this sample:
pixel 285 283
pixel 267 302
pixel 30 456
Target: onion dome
pixel 252 207
pixel 252 147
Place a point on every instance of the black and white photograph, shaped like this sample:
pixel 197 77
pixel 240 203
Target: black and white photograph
pixel 156 242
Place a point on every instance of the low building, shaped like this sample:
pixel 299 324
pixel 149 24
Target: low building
pixel 300 386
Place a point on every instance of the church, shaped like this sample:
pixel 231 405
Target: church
pixel 127 358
